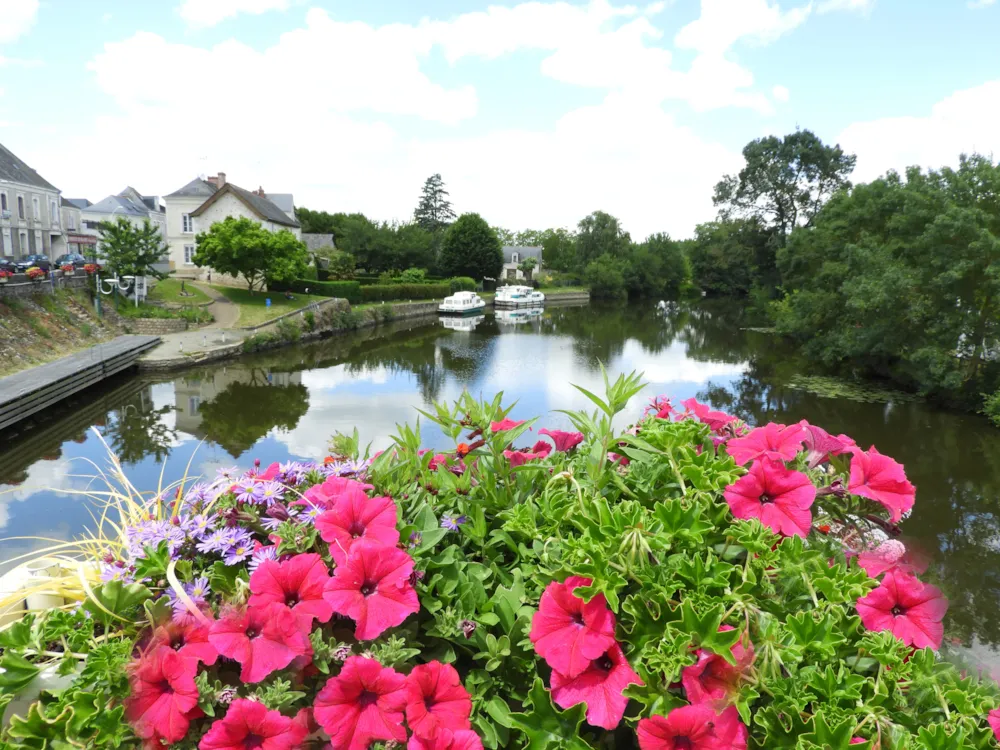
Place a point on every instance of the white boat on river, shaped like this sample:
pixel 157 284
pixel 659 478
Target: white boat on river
pixel 462 303
pixel 518 296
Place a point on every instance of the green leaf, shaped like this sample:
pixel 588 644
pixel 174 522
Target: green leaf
pixel 222 577
pixel 115 601
pixel 17 673
pixel 18 635
pixel 836 737
pixel 158 611
pixel 546 726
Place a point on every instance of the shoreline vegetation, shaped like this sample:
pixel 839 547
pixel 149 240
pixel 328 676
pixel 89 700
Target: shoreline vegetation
pixel 687 577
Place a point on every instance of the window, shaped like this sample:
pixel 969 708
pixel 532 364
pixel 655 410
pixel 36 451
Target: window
pixel 23 237
pixel 194 404
pixel 515 258
pixel 39 247
pixel 91 224
pixel 71 220
pixel 20 206
pixel 36 208
pixel 53 212
pixel 189 255
pixel 187 224
pixel 8 245
pixel 3 201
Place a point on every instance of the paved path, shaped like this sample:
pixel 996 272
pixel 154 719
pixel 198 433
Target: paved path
pixel 192 343
pixel 226 313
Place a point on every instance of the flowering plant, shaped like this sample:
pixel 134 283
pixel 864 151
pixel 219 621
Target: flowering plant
pixel 35 273
pixel 91 268
pixel 67 268
pixel 5 274
pixel 703 586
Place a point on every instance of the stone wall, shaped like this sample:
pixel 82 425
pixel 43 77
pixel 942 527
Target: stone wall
pixel 18 285
pixel 155 326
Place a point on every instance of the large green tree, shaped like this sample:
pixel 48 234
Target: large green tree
pixel 656 268
pixel 130 249
pixel 558 249
pixel 434 212
pixel 242 247
pixel 730 257
pixel 785 182
pixel 471 248
pixel 599 234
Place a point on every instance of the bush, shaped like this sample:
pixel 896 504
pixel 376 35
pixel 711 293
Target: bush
pixel 262 340
pixel 991 408
pixel 311 273
pixel 462 284
pixel 349 290
pixel 606 279
pixel 309 320
pixel 288 329
pixel 190 314
pixel 389 292
pixel 654 575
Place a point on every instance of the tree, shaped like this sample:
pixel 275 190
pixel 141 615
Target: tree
pixel 317 222
pixel 600 234
pixel 506 237
pixel 605 275
pixel 129 249
pixel 558 249
pixel 656 268
pixel 785 182
pixel 471 248
pixel 339 265
pixel 434 213
pixel 729 258
pixel 242 247
pixel 527 266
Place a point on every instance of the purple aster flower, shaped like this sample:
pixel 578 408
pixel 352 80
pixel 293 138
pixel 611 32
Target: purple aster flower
pixel 249 491
pixel 311 513
pixel 226 474
pixel 292 473
pixel 347 467
pixel 199 525
pixel 415 539
pixel 264 553
pixel 238 552
pixel 198 589
pixel 452 524
pixel 271 492
pixel 217 541
pixel 197 493
pixel 115 573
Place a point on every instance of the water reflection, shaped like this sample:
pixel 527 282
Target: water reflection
pixel 285 404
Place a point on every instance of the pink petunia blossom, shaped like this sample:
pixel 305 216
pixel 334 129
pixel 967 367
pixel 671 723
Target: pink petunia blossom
pixel 262 639
pixel 373 588
pixel 249 724
pixel 780 497
pixel 693 728
pixel 661 407
pixel 600 686
pixel 163 698
pixel 323 495
pixel 892 554
pixel 297 583
pixel 519 458
pixel 564 441
pixel 189 639
pixel 715 420
pixel 993 718
pixel 505 424
pixel 446 739
pixel 362 704
pixel 821 445
pixel 881 479
pixel 568 632
pixel 772 441
pixel 712 679
pixel 353 516
pixel 910 609
pixel 436 699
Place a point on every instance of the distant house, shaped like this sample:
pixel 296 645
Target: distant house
pixel 203 202
pixel 128 204
pixel 30 218
pixel 72 221
pixel 514 256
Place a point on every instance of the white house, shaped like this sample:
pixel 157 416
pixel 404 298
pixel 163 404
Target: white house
pixel 129 204
pixel 203 202
pixel 514 256
pixel 30 219
pixel 72 221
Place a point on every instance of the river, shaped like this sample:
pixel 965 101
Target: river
pixel 285 404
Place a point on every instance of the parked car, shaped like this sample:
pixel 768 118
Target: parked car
pixel 76 259
pixel 33 261
pixel 8 265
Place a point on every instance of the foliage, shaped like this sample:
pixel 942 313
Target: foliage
pixel 728 258
pixel 388 292
pixel 349 290
pixel 462 284
pixel 527 266
pixel 558 249
pixel 191 314
pixel 340 265
pixel 288 329
pixel 471 248
pixel 434 213
pixel 130 249
pixel 242 247
pixel 656 268
pixel 318 222
pixel 600 234
pixel 606 277
pixel 35 273
pixel 900 278
pixel 697 599
pixel 991 408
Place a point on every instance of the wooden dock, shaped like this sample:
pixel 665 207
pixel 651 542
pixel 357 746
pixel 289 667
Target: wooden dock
pixel 24 393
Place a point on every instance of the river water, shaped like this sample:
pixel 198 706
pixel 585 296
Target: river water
pixel 286 404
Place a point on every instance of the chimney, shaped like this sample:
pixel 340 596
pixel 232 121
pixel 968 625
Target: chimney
pixel 260 192
pixel 221 179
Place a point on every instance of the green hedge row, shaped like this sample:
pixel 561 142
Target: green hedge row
pixel 349 290
pixel 387 292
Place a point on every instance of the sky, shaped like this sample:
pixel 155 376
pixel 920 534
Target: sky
pixel 534 113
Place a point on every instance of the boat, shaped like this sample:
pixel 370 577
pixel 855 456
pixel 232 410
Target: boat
pixel 518 296
pixel 516 317
pixel 462 323
pixel 462 303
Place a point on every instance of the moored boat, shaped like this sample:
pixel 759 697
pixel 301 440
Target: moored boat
pixel 462 303
pixel 513 296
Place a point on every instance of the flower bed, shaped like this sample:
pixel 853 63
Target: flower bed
pixel 687 584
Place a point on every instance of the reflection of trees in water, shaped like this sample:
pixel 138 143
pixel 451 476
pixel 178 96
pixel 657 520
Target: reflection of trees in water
pixel 246 409
pixel 136 429
pixel 600 332
pixel 952 458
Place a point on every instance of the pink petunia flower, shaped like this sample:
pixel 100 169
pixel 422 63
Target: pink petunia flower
pixel 712 679
pixel 780 497
pixel 772 441
pixel 446 739
pixel 564 441
pixel 693 728
pixel 881 479
pixel 436 699
pixel 189 639
pixel 323 495
pixel 910 609
pixel 373 588
pixel 519 458
pixel 354 516
pixel 297 583
pixel 715 420
pixel 362 704
pixel 892 554
pixel 505 424
pixel 600 686
pixel 821 445
pixel 568 632
pixel 993 718
pixel 262 639
pixel 163 696
pixel 661 407
pixel 250 724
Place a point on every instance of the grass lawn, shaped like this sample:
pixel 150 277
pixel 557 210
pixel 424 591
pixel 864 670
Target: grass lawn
pixel 169 290
pixel 254 309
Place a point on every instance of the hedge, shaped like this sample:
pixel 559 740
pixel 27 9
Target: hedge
pixel 386 292
pixel 349 290
pixel 462 284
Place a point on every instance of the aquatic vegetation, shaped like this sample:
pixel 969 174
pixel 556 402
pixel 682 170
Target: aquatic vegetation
pixel 684 583
pixel 831 387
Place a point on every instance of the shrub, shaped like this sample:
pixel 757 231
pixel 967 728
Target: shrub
pixel 288 329
pixel 991 408
pixel 309 320
pixel 311 273
pixel 462 284
pixel 349 290
pixel 382 292
pixel 569 598
pixel 262 340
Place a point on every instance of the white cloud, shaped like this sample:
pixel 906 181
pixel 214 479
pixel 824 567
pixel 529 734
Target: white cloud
pixel 859 6
pixel 724 22
pixel 16 17
pixel 780 93
pixel 977 4
pixel 203 13
pixel 963 122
